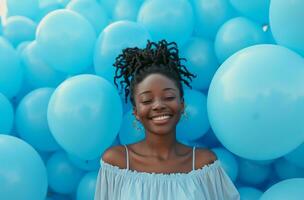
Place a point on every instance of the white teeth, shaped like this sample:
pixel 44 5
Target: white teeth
pixel 161 117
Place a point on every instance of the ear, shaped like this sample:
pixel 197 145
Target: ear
pixel 135 113
pixel 183 105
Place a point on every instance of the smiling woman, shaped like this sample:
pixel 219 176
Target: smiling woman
pixel 158 167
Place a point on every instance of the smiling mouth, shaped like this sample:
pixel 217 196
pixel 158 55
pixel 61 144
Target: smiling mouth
pixel 161 119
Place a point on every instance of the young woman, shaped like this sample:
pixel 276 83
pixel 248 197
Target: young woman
pixel 159 167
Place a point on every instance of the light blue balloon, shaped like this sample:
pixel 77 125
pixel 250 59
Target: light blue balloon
pixel 210 15
pixel 228 162
pixel 286 170
pixel 209 139
pixel 18 29
pixel 22 46
pixel 6 115
pixel 112 40
pixel 66 40
pixel 47 6
pixel 248 33
pixel 37 73
pixel 63 176
pixel 86 187
pixel 22 172
pixel 108 5
pixel 253 173
pixel 87 165
pixel 27 8
pixel 92 11
pixel 11 73
pixel 174 20
pixel 250 193
pixel 255 100
pixel 285 25
pixel 131 130
pixel 201 61
pixel 126 10
pixel 296 156
pixel 291 189
pixel 84 115
pixel 31 120
pixel 257 10
pixel 194 123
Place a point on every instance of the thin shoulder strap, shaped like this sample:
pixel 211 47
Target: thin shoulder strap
pixel 193 159
pixel 127 156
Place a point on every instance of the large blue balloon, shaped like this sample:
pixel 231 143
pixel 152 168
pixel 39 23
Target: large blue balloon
pixel 66 40
pixel 31 120
pixel 256 100
pixel 22 172
pixel 28 8
pixel 174 20
pixel 6 115
pixel 84 115
pixel 248 33
pixel 126 10
pixel 112 40
pixel 11 73
pixel 296 156
pixel 86 187
pixel 285 23
pixel 249 193
pixel 291 189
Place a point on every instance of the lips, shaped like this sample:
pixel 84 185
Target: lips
pixel 161 118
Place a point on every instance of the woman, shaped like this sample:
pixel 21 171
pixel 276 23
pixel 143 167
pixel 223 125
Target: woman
pixel 159 167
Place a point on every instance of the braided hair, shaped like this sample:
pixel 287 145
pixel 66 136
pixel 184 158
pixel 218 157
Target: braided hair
pixel 135 64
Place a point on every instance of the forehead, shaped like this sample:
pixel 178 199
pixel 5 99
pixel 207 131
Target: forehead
pixel 155 82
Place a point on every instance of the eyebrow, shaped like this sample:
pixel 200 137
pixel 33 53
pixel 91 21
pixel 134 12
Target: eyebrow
pixel 165 89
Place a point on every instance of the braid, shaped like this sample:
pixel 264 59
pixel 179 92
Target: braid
pixel 134 64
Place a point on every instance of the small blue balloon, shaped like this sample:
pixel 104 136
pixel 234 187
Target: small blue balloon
pixel 286 170
pixel 87 165
pixel 296 156
pixel 249 193
pixel 27 8
pixel 6 115
pixel 86 187
pixel 126 10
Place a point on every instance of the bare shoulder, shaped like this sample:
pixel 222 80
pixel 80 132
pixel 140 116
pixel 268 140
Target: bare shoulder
pixel 204 157
pixel 116 156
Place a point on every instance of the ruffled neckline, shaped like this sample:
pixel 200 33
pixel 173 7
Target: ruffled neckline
pixel 178 175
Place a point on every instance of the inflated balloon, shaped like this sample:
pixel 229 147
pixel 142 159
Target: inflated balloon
pixel 228 162
pixel 92 11
pixel 21 169
pixel 285 23
pixel 209 139
pixel 286 170
pixel 248 33
pixel 257 10
pixel 47 6
pixel 18 29
pixel 86 187
pixel 87 165
pixel 27 8
pixel 11 73
pixel 22 46
pixel 296 156
pixel 67 40
pixel 201 61
pixel 163 25
pixel 250 104
pixel 112 40
pixel 194 123
pixel 31 120
pixel 291 189
pixel 249 193
pixel 126 10
pixel 84 115
pixel 131 130
pixel 210 15
pixel 37 73
pixel 63 176
pixel 6 115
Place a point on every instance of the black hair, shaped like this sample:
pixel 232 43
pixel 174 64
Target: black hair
pixel 135 64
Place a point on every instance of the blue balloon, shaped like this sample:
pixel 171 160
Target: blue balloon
pixel 228 162
pixel 27 8
pixel 6 115
pixel 84 115
pixel 163 25
pixel 66 40
pixel 63 176
pixel 18 29
pixel 210 15
pixel 87 165
pixel 257 10
pixel 86 187
pixel 296 156
pixel 11 73
pixel 112 40
pixel 249 193
pixel 285 25
pixel 23 174
pixel 194 123
pixel 47 6
pixel 248 33
pixel 92 11
pixel 209 139
pixel 201 61
pixel 31 120
pixel 286 170
pixel 126 10
pixel 22 46
pixel 37 73
pixel 291 189
pixel 250 105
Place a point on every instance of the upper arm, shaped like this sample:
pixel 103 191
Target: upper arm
pixel 115 156
pixel 204 157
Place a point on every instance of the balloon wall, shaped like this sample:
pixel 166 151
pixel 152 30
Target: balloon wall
pixel 59 108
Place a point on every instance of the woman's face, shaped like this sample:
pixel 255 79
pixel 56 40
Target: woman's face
pixel 158 104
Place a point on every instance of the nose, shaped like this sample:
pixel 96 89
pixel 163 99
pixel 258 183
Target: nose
pixel 158 105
